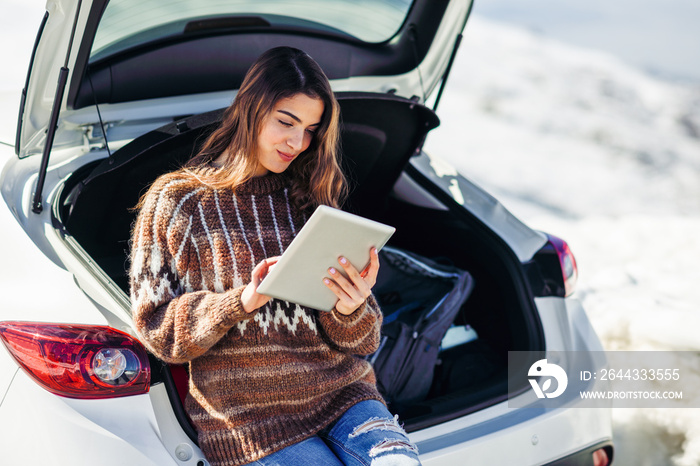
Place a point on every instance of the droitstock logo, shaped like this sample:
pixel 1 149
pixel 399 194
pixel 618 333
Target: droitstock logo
pixel 546 372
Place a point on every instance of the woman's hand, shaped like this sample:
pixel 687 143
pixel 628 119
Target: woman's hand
pixel 250 298
pixel 354 290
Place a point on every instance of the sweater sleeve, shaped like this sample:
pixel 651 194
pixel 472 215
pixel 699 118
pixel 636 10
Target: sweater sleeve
pixel 357 333
pixel 175 325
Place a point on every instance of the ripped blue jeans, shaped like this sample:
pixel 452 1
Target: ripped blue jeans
pixel 366 435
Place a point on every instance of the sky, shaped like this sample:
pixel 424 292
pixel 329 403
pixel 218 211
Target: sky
pixel 19 23
pixel 659 36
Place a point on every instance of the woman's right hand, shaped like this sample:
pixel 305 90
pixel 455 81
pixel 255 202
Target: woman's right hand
pixel 250 298
pixel 356 288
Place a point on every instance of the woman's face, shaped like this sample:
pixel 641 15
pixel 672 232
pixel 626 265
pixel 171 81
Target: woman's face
pixel 287 131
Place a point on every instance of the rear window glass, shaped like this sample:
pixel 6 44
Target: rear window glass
pixel 128 23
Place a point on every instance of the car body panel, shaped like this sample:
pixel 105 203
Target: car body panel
pixel 566 325
pixel 59 299
pixel 515 436
pixel 41 428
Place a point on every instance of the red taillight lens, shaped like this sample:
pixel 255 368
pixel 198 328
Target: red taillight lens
pixel 79 361
pixel 553 270
pixel 567 262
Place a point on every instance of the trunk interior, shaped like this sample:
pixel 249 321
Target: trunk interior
pixel 380 134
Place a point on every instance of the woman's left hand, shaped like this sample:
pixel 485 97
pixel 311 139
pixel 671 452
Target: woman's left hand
pixel 356 288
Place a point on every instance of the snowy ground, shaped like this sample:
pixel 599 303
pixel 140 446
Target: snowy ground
pixel 579 145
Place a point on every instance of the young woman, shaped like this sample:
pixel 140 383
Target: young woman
pixel 271 382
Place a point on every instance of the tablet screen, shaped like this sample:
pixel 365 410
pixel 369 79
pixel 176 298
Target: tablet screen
pixel 328 234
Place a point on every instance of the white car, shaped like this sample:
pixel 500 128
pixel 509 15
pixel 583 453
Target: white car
pixel 121 91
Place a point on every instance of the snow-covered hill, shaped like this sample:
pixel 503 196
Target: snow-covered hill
pixel 579 144
pixel 579 119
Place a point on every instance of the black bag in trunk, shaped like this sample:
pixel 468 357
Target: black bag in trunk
pixel 419 299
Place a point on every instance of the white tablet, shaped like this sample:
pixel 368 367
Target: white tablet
pixel 330 233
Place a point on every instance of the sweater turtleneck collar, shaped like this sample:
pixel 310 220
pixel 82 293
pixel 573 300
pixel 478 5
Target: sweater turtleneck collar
pixel 265 184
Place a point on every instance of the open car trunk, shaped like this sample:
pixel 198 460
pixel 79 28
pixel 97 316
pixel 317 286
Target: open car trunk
pixel 381 132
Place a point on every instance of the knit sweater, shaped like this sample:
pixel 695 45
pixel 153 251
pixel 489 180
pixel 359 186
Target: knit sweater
pixel 260 381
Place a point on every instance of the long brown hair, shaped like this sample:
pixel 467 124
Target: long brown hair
pixel 281 72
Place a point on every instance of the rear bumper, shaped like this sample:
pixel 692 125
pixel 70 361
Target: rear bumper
pixel 502 435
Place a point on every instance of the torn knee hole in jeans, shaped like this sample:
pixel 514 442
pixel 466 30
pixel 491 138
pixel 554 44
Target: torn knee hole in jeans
pixel 391 444
pixel 378 423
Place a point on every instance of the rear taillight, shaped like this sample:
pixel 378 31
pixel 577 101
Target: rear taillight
pixel 556 269
pixel 567 262
pixel 79 361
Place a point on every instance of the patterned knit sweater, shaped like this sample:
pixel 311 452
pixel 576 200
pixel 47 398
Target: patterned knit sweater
pixel 260 381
